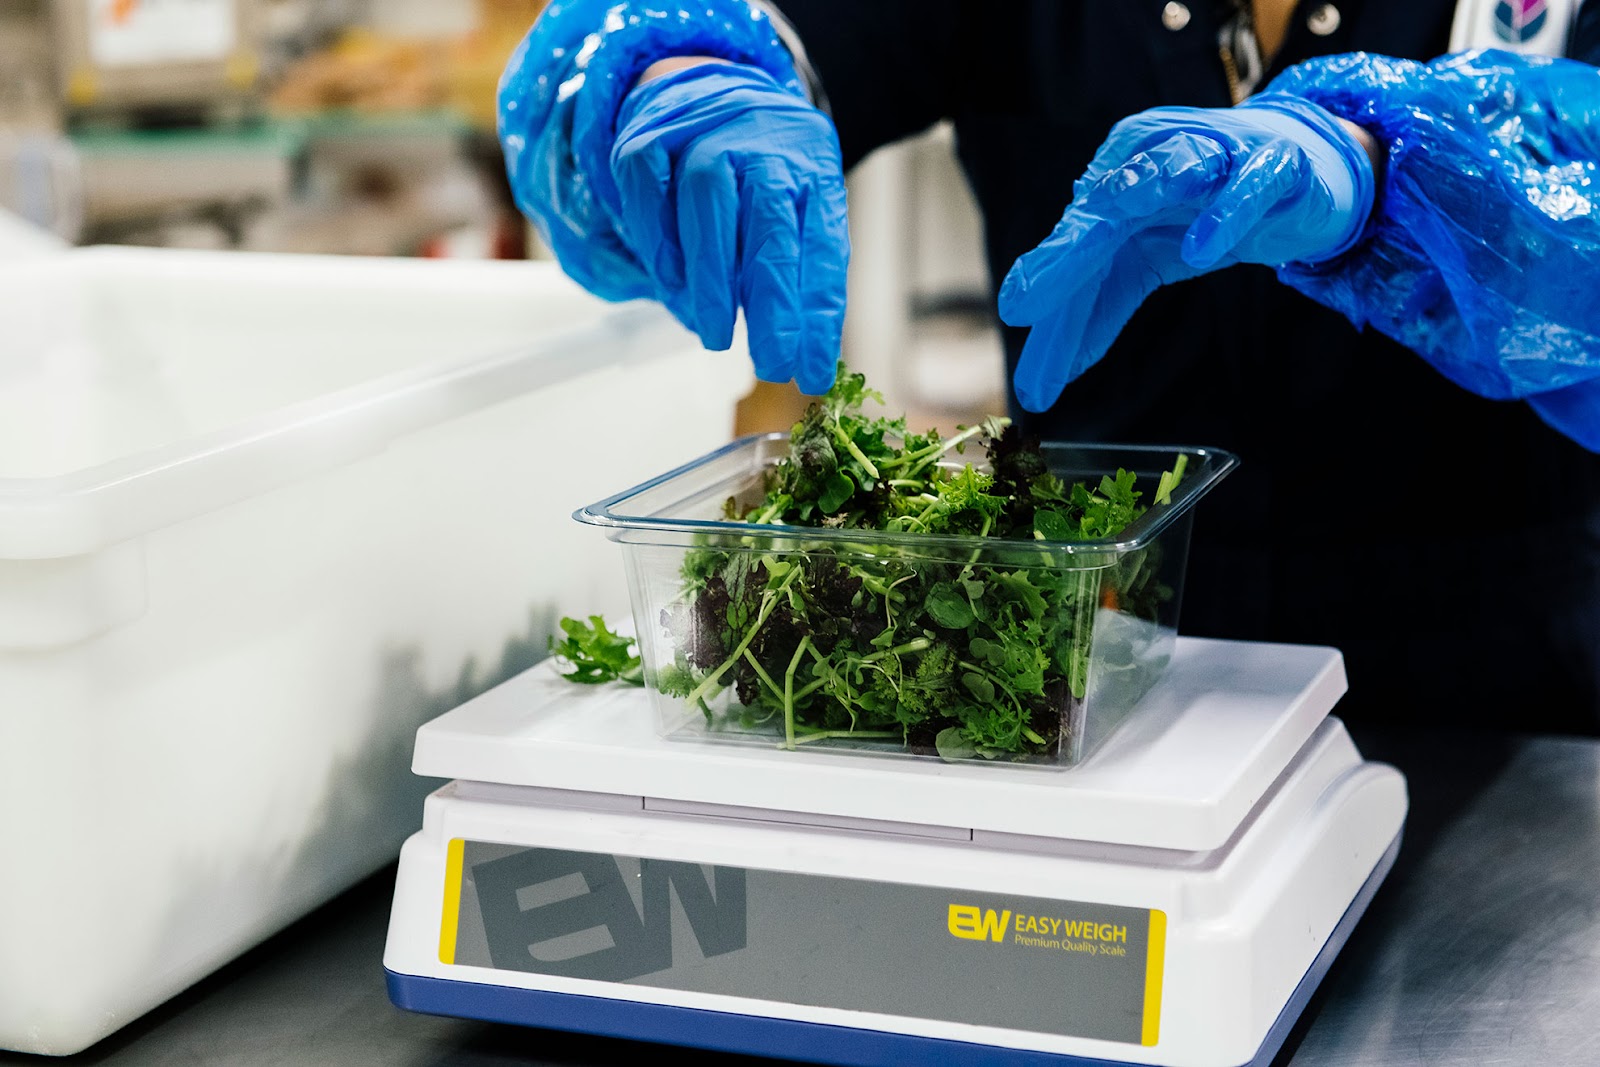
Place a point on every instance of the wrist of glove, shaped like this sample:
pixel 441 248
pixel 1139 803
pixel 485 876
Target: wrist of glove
pixel 1482 254
pixel 1173 193
pixel 1336 175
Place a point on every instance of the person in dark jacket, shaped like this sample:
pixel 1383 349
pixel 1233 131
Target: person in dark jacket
pixel 1271 210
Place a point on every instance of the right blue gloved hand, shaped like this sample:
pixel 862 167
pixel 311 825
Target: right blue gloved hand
pixel 1173 193
pixel 732 195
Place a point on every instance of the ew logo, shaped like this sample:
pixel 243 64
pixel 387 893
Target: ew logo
pixel 1519 21
pixel 977 924
pixel 550 911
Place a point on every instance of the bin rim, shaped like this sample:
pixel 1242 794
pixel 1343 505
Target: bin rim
pixel 81 511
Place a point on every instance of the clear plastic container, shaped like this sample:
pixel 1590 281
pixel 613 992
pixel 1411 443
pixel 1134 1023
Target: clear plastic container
pixel 903 644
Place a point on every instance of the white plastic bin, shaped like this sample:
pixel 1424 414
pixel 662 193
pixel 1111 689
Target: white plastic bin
pixel 260 517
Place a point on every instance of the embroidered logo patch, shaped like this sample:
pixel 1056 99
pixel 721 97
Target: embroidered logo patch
pixel 1519 21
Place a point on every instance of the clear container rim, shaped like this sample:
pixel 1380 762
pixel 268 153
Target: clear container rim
pixel 604 513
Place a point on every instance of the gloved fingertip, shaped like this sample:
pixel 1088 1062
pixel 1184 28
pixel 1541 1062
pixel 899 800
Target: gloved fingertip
pixel 812 384
pixel 1036 384
pixel 773 360
pixel 715 327
pixel 710 337
pixel 1034 399
pixel 1201 247
pixel 819 362
pixel 1013 298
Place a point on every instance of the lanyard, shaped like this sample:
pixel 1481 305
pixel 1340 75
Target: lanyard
pixel 1241 51
pixel 1531 27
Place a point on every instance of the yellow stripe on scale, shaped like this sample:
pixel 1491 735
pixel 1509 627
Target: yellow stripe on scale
pixel 452 901
pixel 1155 960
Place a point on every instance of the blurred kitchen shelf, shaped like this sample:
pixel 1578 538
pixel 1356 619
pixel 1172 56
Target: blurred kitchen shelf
pixel 135 173
pixel 275 184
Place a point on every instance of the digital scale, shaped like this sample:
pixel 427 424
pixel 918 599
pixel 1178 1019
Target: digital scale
pixel 1173 900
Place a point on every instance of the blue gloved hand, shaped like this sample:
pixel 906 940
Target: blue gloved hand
pixel 711 188
pixel 732 194
pixel 1173 193
pixel 1484 254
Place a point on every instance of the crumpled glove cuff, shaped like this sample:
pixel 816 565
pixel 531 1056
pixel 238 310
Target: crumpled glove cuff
pixel 1334 153
pixel 558 102
pixel 1482 253
pixel 636 35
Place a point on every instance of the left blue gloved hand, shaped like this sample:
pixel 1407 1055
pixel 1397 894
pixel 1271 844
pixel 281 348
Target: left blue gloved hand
pixel 1174 193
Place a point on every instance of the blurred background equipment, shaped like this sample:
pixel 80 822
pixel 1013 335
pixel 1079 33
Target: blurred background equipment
pixel 181 57
pixel 342 126
pixel 29 101
pixel 366 127
pixel 40 181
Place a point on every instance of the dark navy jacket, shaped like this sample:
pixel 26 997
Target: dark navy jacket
pixel 1449 545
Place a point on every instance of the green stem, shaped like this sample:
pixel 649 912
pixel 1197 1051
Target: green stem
pixel 1004 688
pixel 820 735
pixel 934 451
pixel 921 518
pixel 788 691
pixel 769 600
pixel 850 447
pixel 809 688
pixel 1130 578
pixel 978 552
pixel 1170 479
pixel 874 584
pixel 761 672
pixel 1085 600
pixel 919 644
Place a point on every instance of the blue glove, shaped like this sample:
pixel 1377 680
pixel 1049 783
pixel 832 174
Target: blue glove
pixel 602 169
pixel 1484 254
pixel 1173 193
pixel 733 194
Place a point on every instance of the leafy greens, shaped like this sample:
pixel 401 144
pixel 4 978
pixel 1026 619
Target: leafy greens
pixel 596 654
pixel 964 653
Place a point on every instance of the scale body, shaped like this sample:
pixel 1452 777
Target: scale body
pixel 1173 900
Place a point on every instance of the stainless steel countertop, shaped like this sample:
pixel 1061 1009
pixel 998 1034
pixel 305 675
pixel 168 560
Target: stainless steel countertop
pixel 1482 949
pixel 1484 946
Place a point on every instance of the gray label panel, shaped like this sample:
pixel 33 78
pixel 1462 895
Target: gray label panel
pixel 1022 963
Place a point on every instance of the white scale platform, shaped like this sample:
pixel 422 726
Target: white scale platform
pixel 1216 849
